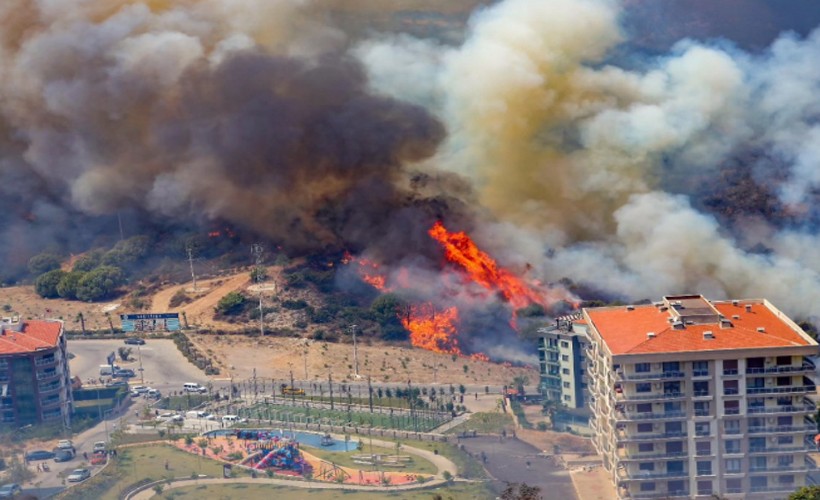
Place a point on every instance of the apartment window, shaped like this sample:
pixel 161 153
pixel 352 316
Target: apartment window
pixel 644 408
pixel 784 381
pixel 701 388
pixel 675 487
pixel 704 487
pixel 704 467
pixel 644 427
pixel 671 366
pixel 731 407
pixel 646 447
pixel 648 486
pixel 757 443
pixel 730 387
pixel 730 367
pixel 756 402
pixel 671 387
pixel 785 479
pixel 565 371
pixel 701 408
pixel 784 401
pixel 756 422
pixel 784 421
pixel 643 387
pixel 785 439
pixel 702 428
pixel 733 465
pixel 564 344
pixel 673 428
pixel 564 357
pixel 732 445
pixel 646 466
pixel 672 407
pixel 566 385
pixel 703 448
pixel 674 467
pixel 756 382
pixel 567 398
pixel 784 360
pixel 755 365
pixel 734 486
pixel 757 462
pixel 700 368
pixel 759 482
pixel 674 447
pixel 785 461
pixel 643 367
pixel 731 426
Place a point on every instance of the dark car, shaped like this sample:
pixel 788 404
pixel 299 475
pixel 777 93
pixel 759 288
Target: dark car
pixel 39 455
pixel 125 373
pixel 63 454
pixel 10 490
pixel 134 341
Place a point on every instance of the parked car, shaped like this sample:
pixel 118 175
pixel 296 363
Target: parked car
pixel 39 455
pixel 134 341
pixel 63 454
pixel 78 475
pixel 65 444
pixel 124 373
pixel 10 490
pixel 140 389
pixel 153 393
pixel 99 446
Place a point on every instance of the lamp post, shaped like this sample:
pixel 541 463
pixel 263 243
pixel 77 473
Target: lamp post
pixel 142 376
pixel 355 351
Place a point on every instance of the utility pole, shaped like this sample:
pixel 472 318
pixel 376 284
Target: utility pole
pixel 355 352
pixel 330 381
pixel 258 251
pixel 305 353
pixel 189 249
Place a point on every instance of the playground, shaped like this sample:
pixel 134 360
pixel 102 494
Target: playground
pixel 278 452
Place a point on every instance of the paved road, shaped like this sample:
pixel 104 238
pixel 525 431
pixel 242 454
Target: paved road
pixel 507 461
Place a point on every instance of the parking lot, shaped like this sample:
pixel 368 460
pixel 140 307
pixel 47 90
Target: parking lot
pixel 164 367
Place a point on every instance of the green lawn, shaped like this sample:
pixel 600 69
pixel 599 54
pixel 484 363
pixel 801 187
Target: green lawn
pixel 485 423
pixel 141 463
pixel 417 464
pixel 424 421
pixel 233 491
pixel 467 466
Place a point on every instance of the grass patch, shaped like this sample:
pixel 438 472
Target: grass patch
pixel 140 464
pixel 519 412
pixel 462 491
pixel 467 466
pixel 416 464
pixel 485 423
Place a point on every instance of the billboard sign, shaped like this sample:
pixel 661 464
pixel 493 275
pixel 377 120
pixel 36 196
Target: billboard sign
pixel 162 322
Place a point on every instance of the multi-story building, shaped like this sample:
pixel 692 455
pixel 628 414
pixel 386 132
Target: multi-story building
pixel 692 398
pixel 561 352
pixel 35 386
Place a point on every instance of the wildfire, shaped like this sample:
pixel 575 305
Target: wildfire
pixel 482 269
pixel 369 271
pixel 433 330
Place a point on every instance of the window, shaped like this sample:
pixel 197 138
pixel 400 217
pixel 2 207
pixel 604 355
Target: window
pixel 785 479
pixel 648 486
pixel 672 407
pixel 702 428
pixel 703 448
pixel 733 465
pixel 757 462
pixel 734 486
pixel 644 427
pixel 671 387
pixel 785 460
pixel 784 401
pixel 642 367
pixel 755 365
pixel 700 368
pixel 731 407
pixel 784 421
pixel 646 466
pixel 671 366
pixel 646 447
pixel 757 444
pixel 675 487
pixel 643 387
pixel 785 439
pixel 704 487
pixel 565 371
pixel 564 357
pixel 759 482
pixel 673 428
pixel 730 367
pixel 701 388
pixel 784 381
pixel 732 445
pixel 756 382
pixel 564 344
pixel 730 387
pixel 731 426
pixel 701 408
pixel 567 398
pixel 644 408
pixel 674 447
pixel 704 468
pixel 675 466
pixel 784 360
pixel 566 385
pixel 756 402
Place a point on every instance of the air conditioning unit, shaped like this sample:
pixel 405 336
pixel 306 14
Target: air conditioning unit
pixel 773 439
pixel 657 385
pixel 771 421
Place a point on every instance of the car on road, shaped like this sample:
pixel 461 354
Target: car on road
pixel 194 387
pixel 63 454
pixel 134 341
pixel 65 444
pixel 78 475
pixel 124 373
pixel 39 455
pixel 99 446
pixel 10 490
pixel 140 388
pixel 153 393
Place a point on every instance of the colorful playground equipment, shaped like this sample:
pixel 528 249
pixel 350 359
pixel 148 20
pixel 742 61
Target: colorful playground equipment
pixel 277 452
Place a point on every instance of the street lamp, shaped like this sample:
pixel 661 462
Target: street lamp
pixel 355 351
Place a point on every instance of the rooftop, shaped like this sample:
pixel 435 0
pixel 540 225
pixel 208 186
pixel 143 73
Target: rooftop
pixel 29 336
pixel 692 323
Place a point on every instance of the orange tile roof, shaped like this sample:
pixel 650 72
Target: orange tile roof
pixel 625 331
pixel 35 334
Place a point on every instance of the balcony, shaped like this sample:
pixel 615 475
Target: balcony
pixel 770 469
pixel 782 428
pixel 791 389
pixel 700 412
pixel 659 494
pixel 700 373
pixel 626 416
pixel 783 488
pixel 50 387
pixel 620 396
pixel 47 375
pixel 45 361
pixel 649 436
pixel 645 476
pixel 805 367
pixel 652 456
pixel 49 403
pixel 761 450
pixel 651 376
pixel 782 409
pixel 731 372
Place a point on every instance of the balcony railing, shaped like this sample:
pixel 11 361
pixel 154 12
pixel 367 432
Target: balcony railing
pixel 659 494
pixel 730 372
pixel 47 375
pixel 700 373
pixel 45 361
pixel 779 449
pixel 792 389
pixel 651 376
pixel 649 416
pixel 646 397
pixel 731 391
pixel 642 476
pixel 699 412
pixel 649 436
pixel 778 468
pixel 781 409
pixel 654 456
pixel 783 488
pixel 783 428
pixel 53 386
pixel 806 367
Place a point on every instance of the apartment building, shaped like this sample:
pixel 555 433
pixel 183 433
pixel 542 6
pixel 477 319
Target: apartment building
pixel 692 398
pixel 35 386
pixel 562 354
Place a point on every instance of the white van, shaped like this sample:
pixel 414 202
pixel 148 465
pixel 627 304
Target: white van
pixel 230 419
pixel 105 370
pixel 192 387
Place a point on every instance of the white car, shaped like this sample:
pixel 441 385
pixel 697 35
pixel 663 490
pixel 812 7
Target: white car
pixel 65 444
pixel 99 446
pixel 78 475
pixel 140 389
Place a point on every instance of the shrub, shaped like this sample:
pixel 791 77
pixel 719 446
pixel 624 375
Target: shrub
pixel 179 298
pixel 294 305
pixel 99 283
pixel 67 287
pixel 46 283
pixel 230 304
pixel 88 262
pixel 43 263
pixel 259 273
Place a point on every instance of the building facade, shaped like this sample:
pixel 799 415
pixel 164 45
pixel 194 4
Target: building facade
pixel 562 356
pixel 692 398
pixel 35 385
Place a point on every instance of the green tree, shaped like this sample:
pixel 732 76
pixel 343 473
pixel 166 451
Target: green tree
pixel 127 253
pixel 259 273
pixel 89 261
pixel 67 287
pixel 519 382
pixel 806 493
pixel 43 263
pixel 46 284
pixel 230 304
pixel 99 283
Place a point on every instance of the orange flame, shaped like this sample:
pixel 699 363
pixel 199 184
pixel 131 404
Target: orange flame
pixel 433 330
pixel 369 271
pixel 482 269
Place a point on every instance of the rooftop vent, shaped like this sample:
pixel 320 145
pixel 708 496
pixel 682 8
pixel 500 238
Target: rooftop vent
pixel 735 303
pixel 630 308
pixel 677 325
pixel 748 308
pixel 663 309
pixel 761 329
pixel 725 323
pixel 657 304
pixel 708 335
pixel 736 316
pixel 650 335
